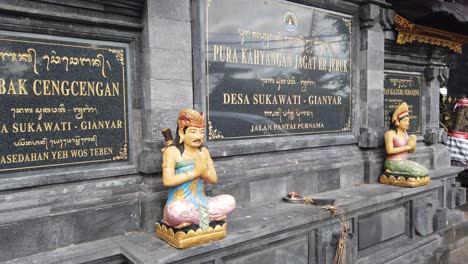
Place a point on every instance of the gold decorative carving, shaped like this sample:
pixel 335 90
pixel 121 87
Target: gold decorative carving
pixel 401 181
pixel 404 37
pixel 123 153
pixel 182 239
pixel 402 22
pixel 348 23
pixel 409 33
pixel 347 126
pixel 213 133
pixel 119 55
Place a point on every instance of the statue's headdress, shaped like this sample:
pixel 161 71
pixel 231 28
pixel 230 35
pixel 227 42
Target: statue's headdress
pixel 190 118
pixel 401 112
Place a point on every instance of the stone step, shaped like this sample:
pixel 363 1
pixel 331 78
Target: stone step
pixel 270 232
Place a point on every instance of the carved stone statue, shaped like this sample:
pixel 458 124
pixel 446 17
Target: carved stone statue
pixel 461 117
pixel 398 169
pixel 187 166
pixel 457 140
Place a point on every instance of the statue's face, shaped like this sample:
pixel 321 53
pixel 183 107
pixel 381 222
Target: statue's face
pixel 404 123
pixel 194 136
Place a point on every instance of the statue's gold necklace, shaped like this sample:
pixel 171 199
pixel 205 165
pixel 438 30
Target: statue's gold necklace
pixel 187 155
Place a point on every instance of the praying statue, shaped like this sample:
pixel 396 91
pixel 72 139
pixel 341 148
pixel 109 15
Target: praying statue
pixel 187 166
pixel 398 169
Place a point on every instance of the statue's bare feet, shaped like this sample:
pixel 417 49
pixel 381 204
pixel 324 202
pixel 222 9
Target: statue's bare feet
pixel 182 225
pixel 220 218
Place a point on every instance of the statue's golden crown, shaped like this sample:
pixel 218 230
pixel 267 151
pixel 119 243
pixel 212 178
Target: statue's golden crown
pixel 190 118
pixel 400 112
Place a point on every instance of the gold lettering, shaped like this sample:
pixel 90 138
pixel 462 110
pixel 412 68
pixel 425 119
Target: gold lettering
pixel 4 129
pixel 16 87
pixel 101 124
pixel 100 151
pixel 235 98
pixel 64 88
pixel 325 99
pixel 27 157
pixel 40 127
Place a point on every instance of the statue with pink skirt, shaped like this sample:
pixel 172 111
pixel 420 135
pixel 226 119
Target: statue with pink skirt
pixel 190 217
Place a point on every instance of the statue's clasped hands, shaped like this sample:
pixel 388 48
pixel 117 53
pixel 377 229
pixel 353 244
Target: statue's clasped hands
pixel 201 165
pixel 411 143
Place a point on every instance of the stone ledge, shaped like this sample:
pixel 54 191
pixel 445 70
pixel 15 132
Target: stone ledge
pixel 81 253
pixel 246 227
pixel 444 173
pixel 420 250
pixel 76 18
pixel 63 175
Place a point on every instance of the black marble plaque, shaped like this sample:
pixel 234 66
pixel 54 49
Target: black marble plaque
pixel 402 87
pixel 276 68
pixel 63 103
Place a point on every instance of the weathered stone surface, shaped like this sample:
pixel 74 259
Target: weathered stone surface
pixel 440 220
pixel 172 64
pixel 351 175
pixel 381 226
pixel 175 10
pixel 460 196
pixel 424 216
pixel 452 195
pixel 420 254
pixel 151 210
pixel 304 183
pixel 328 238
pixel 328 180
pixel 288 251
pixel 170 34
pixel 274 228
pixel 373 169
pixel 371 137
pixel 54 231
pixel 261 191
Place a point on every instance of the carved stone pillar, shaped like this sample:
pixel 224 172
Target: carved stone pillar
pixel 435 76
pixel 167 88
pixel 371 62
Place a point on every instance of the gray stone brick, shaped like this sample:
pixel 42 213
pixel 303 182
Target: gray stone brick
pixel 163 118
pixel 169 34
pixel 261 191
pixel 452 195
pixel 305 183
pixel 151 210
pixel 240 192
pixel 327 240
pixel 54 231
pixel 287 251
pixel 351 175
pixel 328 180
pixel 373 169
pixel 171 64
pixel 424 216
pixel 369 11
pixel 381 226
pixel 149 161
pixel 176 10
pixel 440 220
pixel 171 94
pixel 460 196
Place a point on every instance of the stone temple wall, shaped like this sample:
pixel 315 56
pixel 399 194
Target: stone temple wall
pixel 105 212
